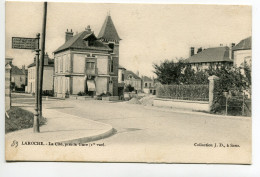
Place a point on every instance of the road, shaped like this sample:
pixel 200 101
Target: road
pixel 150 129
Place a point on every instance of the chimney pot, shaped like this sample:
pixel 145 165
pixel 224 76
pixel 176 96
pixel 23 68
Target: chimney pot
pixel 191 51
pixel 68 35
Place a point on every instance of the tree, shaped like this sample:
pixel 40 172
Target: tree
pixel 169 72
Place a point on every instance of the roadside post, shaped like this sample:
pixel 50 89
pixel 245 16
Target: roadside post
pixel 226 95
pixel 41 66
pixel 31 44
pixel 36 122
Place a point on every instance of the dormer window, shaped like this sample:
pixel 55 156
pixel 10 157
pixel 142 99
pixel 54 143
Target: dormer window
pixel 111 46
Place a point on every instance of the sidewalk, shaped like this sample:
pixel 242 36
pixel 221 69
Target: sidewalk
pixel 63 127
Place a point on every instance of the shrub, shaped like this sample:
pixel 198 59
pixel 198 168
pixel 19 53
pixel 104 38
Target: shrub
pixel 81 93
pixel 105 94
pixel 184 92
pixel 20 119
pixel 129 88
pixel 231 80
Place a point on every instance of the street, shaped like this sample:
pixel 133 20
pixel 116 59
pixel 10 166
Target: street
pixel 165 131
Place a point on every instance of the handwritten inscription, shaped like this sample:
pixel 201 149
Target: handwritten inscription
pixel 24 43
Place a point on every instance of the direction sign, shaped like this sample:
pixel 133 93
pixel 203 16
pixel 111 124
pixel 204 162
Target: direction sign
pixel 25 43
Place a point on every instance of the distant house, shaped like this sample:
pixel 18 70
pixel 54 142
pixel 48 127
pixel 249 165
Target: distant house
pixel 121 80
pixel 134 80
pixel 242 52
pixel 18 76
pixel 216 56
pixel 147 84
pixel 47 76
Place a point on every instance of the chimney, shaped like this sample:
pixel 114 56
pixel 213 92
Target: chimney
pixel 88 29
pixel 23 69
pixel 231 52
pixel 191 51
pixel 137 73
pixel 46 59
pixel 199 50
pixel 68 35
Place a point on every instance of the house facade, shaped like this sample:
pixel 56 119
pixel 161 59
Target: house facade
pixel 86 63
pixel 134 80
pixel 121 80
pixel 242 52
pixel 47 76
pixel 18 76
pixel 147 85
pixel 214 57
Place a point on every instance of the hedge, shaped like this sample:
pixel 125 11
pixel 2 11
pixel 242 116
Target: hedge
pixel 184 92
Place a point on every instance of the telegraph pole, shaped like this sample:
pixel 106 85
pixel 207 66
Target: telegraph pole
pixel 41 67
pixel 36 121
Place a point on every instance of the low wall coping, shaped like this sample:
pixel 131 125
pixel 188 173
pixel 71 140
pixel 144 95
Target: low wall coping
pixel 186 101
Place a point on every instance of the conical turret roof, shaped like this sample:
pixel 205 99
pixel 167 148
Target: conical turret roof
pixel 108 30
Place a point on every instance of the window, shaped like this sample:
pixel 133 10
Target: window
pixel 150 84
pixel 56 65
pixel 111 46
pixel 145 84
pixel 123 77
pixel 90 65
pixel 112 65
pixel 61 64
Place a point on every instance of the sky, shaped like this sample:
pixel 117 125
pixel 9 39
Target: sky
pixel 150 33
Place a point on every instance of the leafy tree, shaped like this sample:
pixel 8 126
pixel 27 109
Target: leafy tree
pixel 169 72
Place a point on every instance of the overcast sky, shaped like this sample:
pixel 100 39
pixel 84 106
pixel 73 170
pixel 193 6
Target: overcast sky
pixel 149 33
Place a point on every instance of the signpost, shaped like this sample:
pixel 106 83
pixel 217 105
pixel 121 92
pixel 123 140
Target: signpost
pixel 25 43
pixel 31 44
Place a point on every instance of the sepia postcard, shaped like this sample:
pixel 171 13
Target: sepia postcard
pixel 151 83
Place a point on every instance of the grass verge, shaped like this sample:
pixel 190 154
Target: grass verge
pixel 19 119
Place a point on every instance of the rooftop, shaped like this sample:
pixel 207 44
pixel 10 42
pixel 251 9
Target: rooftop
pixel 108 31
pixel 78 41
pixel 131 73
pixel 145 78
pixel 216 54
pixel 244 44
pixel 50 62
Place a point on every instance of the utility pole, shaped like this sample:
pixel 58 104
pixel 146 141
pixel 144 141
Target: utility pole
pixel 36 122
pixel 41 67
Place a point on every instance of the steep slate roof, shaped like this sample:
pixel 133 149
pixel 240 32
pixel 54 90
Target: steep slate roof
pixel 50 62
pixel 108 30
pixel 145 78
pixel 78 42
pixel 121 67
pixel 16 71
pixel 216 54
pixel 127 73
pixel 244 44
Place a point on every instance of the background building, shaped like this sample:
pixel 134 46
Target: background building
pixel 47 86
pixel 134 80
pixel 147 85
pixel 18 76
pixel 121 80
pixel 216 56
pixel 86 63
pixel 243 52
